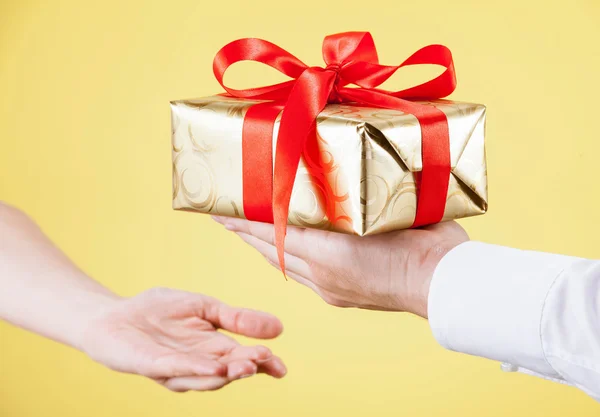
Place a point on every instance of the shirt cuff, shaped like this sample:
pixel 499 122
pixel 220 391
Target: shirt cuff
pixel 507 367
pixel 487 300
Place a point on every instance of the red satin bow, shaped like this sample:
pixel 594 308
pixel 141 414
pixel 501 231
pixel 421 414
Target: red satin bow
pixel 351 58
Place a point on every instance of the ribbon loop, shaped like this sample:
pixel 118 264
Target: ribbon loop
pixel 441 86
pixel 350 58
pixel 346 47
pixel 259 50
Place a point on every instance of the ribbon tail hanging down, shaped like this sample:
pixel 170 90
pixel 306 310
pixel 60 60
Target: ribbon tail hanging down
pixel 307 99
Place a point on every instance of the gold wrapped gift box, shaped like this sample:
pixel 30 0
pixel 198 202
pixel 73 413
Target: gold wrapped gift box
pixel 371 157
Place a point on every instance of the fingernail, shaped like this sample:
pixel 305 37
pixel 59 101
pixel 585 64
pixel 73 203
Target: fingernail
pixel 247 375
pixel 230 227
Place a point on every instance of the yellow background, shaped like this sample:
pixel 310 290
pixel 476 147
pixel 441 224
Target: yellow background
pixel 85 149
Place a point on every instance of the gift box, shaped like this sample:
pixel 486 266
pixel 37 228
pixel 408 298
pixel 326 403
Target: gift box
pixel 329 149
pixel 364 180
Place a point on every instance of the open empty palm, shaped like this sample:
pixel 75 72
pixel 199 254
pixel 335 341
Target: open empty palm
pixel 173 337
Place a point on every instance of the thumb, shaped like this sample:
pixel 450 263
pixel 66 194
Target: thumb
pixel 244 321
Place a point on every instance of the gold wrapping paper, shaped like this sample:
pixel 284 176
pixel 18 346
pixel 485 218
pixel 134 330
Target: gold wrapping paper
pixel 371 155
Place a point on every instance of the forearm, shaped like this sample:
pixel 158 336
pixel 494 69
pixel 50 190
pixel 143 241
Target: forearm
pixel 534 310
pixel 41 290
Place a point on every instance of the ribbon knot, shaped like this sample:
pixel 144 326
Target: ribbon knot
pixel 334 95
pixel 350 58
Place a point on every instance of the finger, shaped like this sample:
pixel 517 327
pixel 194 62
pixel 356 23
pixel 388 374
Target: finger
pixel 252 353
pixel 313 246
pixel 242 321
pixel 292 263
pixel 190 383
pixel 261 355
pixel 273 367
pixel 313 286
pixel 296 277
pixel 295 268
pixel 182 365
pixel 241 369
pixel 294 240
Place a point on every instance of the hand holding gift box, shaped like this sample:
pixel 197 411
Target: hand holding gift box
pixel 316 153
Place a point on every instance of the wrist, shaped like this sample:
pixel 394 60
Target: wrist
pixel 433 258
pixel 423 274
pixel 90 304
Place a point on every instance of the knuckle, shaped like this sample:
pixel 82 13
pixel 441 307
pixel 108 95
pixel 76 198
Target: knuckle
pixel 237 319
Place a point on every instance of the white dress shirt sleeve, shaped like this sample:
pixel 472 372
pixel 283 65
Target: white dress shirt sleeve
pixel 538 313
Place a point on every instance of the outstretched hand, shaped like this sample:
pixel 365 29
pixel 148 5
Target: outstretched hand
pixel 174 338
pixel 390 271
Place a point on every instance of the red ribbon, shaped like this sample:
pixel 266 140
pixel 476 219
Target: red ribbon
pixel 351 58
